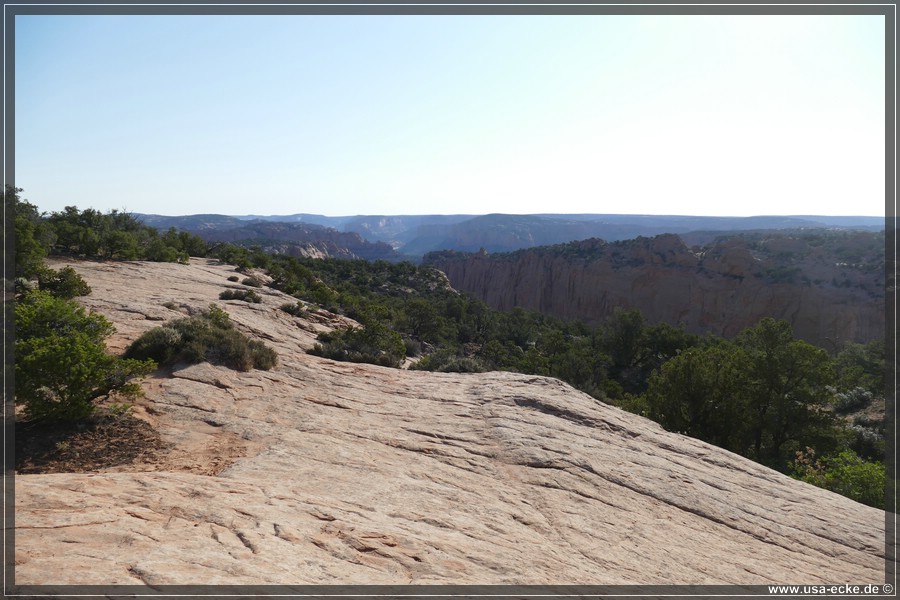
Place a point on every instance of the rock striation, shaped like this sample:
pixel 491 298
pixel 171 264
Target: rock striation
pixel 320 472
pixel 830 294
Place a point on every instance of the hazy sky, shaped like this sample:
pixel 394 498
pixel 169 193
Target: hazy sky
pixel 339 115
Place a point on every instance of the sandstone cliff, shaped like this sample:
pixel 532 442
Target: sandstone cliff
pixel 325 472
pixel 831 293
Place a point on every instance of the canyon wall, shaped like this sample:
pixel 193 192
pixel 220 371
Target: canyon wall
pixel 832 292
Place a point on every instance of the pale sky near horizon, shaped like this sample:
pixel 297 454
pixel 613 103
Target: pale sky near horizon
pixel 340 115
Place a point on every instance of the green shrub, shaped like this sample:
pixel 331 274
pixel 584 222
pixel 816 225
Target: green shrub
pixel 32 234
pixel 218 317
pixel 862 365
pixel 229 348
pixel 444 361
pixel 263 356
pixel 375 343
pixel 867 442
pixel 61 363
pixel 844 473
pixel 157 251
pixel 295 309
pixel 252 282
pixel 234 278
pixel 245 295
pixel 162 344
pixel 852 400
pixel 463 364
pixel 118 235
pixel 322 294
pixel 22 286
pixel 65 283
pixel 210 337
pixel 413 347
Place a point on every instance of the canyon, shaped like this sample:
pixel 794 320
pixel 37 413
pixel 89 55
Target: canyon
pixel 828 286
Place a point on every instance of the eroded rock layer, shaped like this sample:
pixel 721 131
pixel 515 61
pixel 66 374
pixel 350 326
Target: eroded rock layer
pixel 831 293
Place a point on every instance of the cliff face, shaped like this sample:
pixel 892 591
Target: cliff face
pixel 320 472
pixel 830 292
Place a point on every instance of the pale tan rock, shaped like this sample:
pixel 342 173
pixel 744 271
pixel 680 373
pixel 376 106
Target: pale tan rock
pixel 335 473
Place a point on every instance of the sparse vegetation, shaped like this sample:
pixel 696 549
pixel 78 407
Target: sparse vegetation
pixel 209 336
pixel 447 362
pixel 374 343
pixel 764 394
pixel 296 309
pixel 245 295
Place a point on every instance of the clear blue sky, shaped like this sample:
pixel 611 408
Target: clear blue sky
pixel 341 115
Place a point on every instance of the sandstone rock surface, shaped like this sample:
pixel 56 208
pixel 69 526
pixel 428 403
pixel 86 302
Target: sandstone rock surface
pixel 320 472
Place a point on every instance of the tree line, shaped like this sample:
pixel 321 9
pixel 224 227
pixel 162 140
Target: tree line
pixel 89 233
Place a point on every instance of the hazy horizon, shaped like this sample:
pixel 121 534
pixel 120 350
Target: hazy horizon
pixel 540 214
pixel 695 115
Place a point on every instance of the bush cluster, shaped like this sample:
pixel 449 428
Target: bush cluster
pixel 845 473
pixel 852 400
pixel 65 283
pixel 295 309
pixel 62 365
pixel 92 234
pixel 413 346
pixel 245 295
pixel 448 362
pixel 374 343
pixel 209 336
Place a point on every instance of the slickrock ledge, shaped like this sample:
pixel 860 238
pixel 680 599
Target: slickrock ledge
pixel 320 472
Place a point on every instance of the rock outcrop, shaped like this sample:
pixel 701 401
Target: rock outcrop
pixel 337 473
pixel 828 298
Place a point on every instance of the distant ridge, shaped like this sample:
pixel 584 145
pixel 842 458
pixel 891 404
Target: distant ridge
pixel 412 236
pixel 279 237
